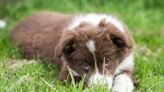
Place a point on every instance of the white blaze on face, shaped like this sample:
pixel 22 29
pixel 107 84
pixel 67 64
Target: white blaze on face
pixel 97 78
pixel 91 46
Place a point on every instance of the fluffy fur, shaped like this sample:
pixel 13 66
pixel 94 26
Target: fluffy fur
pixel 96 45
pixel 123 83
pixel 95 19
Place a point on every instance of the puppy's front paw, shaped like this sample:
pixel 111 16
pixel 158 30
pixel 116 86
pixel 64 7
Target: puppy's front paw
pixel 122 83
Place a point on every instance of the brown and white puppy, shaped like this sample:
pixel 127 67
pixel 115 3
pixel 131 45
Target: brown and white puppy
pixel 96 45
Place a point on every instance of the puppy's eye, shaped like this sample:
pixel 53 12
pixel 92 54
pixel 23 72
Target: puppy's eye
pixel 85 66
pixel 118 42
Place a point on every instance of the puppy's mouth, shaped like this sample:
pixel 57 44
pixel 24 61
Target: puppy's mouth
pixel 95 79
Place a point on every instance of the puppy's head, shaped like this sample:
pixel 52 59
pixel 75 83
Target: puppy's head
pixel 94 50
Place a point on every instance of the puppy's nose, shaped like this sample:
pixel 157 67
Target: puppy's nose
pixel 77 79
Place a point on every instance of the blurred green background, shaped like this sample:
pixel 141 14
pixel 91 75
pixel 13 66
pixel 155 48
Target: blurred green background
pixel 145 19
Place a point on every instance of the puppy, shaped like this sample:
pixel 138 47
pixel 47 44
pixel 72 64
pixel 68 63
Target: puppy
pixel 96 45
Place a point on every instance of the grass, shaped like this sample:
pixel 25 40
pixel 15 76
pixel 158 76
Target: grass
pixel 144 19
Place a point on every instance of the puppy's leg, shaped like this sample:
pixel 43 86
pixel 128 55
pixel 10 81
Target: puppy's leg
pixel 122 83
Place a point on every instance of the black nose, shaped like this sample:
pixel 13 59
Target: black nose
pixel 77 79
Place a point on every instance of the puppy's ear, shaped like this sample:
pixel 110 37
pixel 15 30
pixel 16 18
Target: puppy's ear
pixel 122 39
pixel 103 23
pixel 65 45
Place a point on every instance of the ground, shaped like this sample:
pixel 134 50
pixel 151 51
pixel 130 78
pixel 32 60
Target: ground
pixel 143 17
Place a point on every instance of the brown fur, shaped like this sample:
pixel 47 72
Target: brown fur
pixel 45 34
pixel 39 34
pixel 104 47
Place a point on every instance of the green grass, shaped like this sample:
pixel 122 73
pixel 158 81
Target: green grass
pixel 145 19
